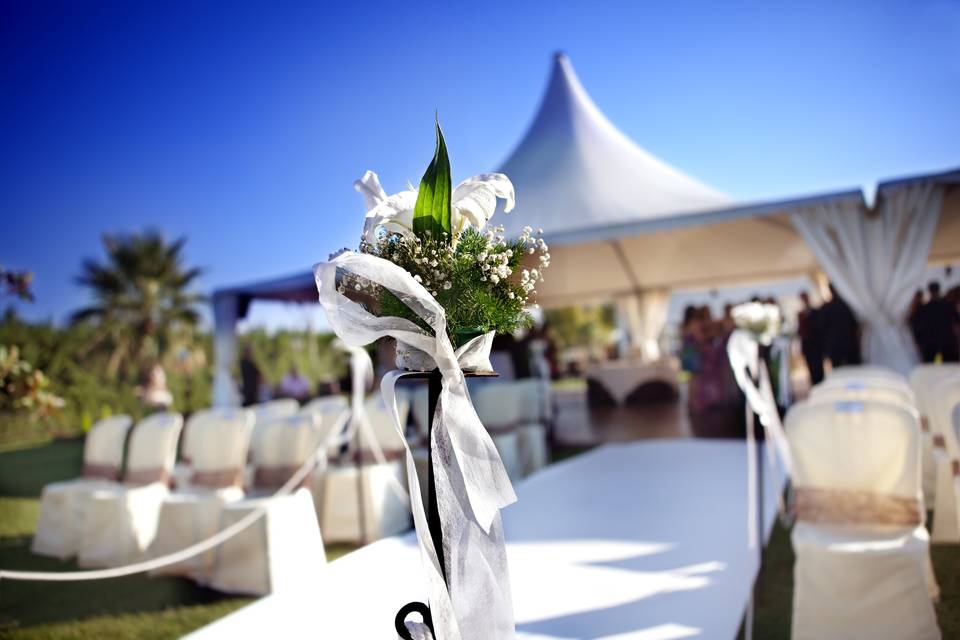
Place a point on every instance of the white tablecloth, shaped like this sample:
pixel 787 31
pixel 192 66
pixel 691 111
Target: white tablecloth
pixel 622 377
pixel 643 541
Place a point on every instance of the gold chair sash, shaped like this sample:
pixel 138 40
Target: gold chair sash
pixel 845 506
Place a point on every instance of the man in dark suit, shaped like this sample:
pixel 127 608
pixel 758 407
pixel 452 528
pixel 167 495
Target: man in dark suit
pixel 841 332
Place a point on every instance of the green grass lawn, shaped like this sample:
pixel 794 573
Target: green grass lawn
pixel 164 607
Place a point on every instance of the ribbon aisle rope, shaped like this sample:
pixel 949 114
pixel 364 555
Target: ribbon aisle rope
pixel 474 601
pixel 743 351
pixel 361 371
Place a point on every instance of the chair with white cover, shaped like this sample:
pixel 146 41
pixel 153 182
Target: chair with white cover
pixel 924 378
pixel 326 404
pixel 377 481
pixel 945 420
pixel 866 371
pixel 63 504
pixel 419 409
pixel 862 553
pixel 364 494
pixel 499 406
pixel 220 439
pixel 532 426
pixel 283 549
pixel 121 520
pixel 266 412
pixel 858 390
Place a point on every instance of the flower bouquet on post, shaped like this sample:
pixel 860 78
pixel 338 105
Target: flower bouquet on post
pixel 434 275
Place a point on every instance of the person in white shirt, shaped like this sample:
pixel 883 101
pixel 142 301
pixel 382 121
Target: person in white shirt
pixel 294 385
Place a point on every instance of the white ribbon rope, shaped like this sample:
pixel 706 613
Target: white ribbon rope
pixel 318 456
pixel 474 602
pixel 744 354
pixel 361 371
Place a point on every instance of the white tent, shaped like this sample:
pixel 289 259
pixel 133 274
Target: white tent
pixel 625 227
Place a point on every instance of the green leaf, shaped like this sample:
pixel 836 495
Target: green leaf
pixel 432 211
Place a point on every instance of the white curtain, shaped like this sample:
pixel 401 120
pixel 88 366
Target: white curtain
pixel 641 318
pixel 654 304
pixel 225 311
pixel 876 260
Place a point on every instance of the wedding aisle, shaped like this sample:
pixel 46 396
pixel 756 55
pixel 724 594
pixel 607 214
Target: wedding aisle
pixel 643 541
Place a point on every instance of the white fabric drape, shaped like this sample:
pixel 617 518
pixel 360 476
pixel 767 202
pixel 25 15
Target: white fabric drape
pixel 654 304
pixel 225 312
pixel 876 261
pixel 641 318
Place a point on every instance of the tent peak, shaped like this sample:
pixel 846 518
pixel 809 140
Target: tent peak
pixel 574 168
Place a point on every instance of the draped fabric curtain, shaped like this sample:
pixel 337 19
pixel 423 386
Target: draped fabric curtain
pixel 876 261
pixel 641 318
pixel 225 313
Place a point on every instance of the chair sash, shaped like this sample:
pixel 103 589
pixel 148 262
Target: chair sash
pixel 100 472
pixel 218 478
pixel 846 506
pixel 147 476
pixel 501 430
pixel 276 477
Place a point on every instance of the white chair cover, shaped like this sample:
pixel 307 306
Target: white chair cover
pixel 121 521
pixel 866 370
pixel 859 579
pixel 532 427
pixel 859 391
pixel 381 486
pixel 266 412
pixel 219 442
pixel 63 505
pixel 381 424
pixel 283 549
pixel 499 405
pixel 420 405
pixel 893 385
pixel 924 379
pixel 944 420
pixel 331 414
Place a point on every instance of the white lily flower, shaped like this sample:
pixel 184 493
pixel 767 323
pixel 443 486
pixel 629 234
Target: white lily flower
pixel 474 202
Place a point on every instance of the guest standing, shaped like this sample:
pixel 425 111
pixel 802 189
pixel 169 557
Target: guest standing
pixel 937 323
pixel 811 338
pixel 841 333
pixel 294 385
pixel 250 378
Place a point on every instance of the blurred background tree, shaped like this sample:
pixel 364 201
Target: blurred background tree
pixel 589 326
pixel 143 310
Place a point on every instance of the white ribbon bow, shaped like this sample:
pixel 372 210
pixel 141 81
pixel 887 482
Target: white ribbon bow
pixel 471 483
pixel 744 354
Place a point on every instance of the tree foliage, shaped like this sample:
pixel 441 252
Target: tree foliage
pixel 142 309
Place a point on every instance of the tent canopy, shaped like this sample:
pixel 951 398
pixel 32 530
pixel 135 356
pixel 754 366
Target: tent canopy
pixel 575 169
pixel 620 221
pixel 623 224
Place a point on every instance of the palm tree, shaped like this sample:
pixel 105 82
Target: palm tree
pixel 142 306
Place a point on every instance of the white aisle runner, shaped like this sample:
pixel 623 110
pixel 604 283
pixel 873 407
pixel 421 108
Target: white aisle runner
pixel 643 541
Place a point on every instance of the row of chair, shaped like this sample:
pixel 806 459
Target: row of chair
pixel 863 566
pixel 232 459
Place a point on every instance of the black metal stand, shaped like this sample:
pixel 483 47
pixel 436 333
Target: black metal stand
pixel 435 380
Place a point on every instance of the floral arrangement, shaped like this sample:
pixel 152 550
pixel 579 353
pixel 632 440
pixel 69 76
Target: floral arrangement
pixel 760 319
pixel 443 237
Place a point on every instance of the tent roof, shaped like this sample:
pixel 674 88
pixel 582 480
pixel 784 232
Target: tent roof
pixel 574 169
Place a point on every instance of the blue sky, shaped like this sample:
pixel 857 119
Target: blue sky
pixel 242 125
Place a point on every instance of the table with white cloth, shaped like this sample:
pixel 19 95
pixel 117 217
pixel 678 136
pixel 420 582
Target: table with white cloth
pixel 643 540
pixel 620 378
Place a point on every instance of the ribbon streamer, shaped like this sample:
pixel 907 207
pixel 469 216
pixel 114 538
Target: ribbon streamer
pixel 474 603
